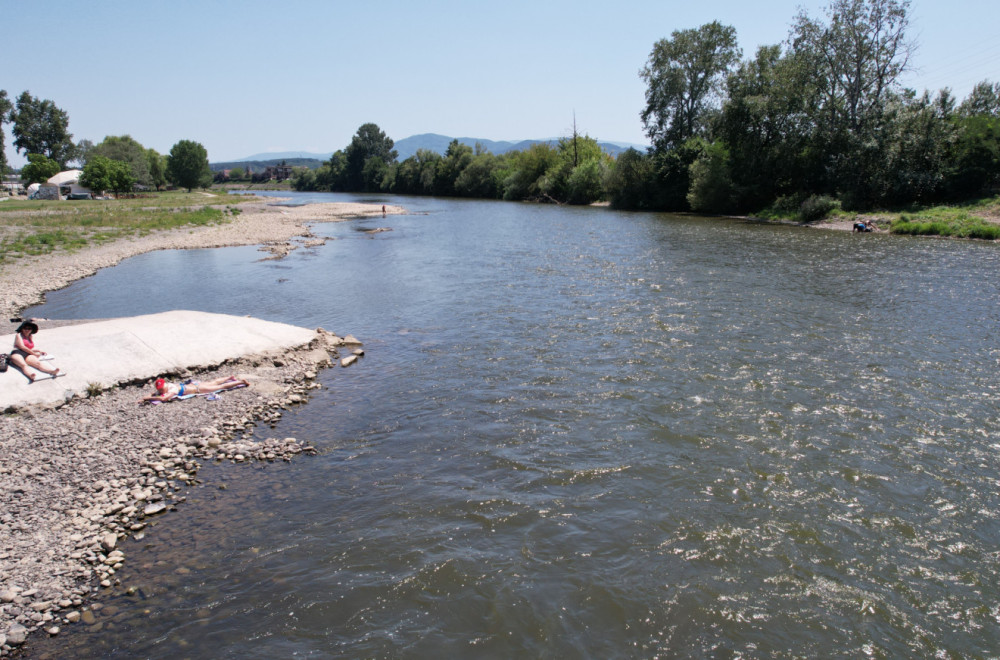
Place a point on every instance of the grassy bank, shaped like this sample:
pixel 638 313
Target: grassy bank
pixel 33 227
pixel 979 219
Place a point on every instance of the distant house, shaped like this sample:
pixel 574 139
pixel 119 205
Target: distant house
pixel 279 172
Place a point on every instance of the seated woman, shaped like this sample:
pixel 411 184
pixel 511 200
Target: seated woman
pixel 26 355
pixel 167 391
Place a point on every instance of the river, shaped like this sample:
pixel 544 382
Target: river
pixel 578 432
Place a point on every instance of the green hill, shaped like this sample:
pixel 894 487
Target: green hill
pixel 261 165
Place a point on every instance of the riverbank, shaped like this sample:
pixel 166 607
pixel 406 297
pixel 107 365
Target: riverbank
pixel 79 479
pixel 277 229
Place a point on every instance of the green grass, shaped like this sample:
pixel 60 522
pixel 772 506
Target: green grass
pixel 962 226
pixel 960 221
pixel 35 227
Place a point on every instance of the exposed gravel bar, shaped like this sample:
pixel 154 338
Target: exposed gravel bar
pixel 265 223
pixel 78 478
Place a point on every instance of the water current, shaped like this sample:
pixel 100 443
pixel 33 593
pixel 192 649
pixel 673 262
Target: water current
pixel 584 433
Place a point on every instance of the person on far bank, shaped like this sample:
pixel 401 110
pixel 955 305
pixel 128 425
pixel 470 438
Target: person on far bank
pixel 26 355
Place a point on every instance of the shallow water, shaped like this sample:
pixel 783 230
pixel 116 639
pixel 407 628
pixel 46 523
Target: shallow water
pixel 584 433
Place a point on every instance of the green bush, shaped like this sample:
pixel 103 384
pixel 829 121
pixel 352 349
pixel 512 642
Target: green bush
pixel 817 207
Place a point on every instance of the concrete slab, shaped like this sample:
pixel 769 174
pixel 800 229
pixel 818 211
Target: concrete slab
pixel 127 349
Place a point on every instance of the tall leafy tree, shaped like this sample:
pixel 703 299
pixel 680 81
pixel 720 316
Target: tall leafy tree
pixel 367 157
pixel 684 82
pixel 856 58
pixel 766 125
pixel 157 168
pixel 456 158
pixel 5 108
pixel 858 55
pixel 187 165
pixel 42 128
pixel 126 150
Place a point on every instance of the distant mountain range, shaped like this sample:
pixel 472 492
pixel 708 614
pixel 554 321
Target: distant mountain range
pixel 408 147
pixel 439 143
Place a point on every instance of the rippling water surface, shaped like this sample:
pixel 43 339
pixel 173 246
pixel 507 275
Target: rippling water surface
pixel 582 433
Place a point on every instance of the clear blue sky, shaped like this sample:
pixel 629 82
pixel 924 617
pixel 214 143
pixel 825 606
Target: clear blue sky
pixel 302 75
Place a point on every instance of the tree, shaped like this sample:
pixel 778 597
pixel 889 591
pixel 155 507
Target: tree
pixel 858 58
pixel 984 100
pixel 522 171
pixel 684 77
pixel 629 182
pixel 918 146
pixel 573 152
pixel 585 182
pixel 39 169
pixel 765 124
pixel 711 186
pixel 157 168
pixel 479 179
pixel 187 165
pixel 102 174
pixel 42 128
pixel 975 158
pixel 126 150
pixel 456 158
pixel 5 107
pixel 855 61
pixel 82 151
pixel 368 144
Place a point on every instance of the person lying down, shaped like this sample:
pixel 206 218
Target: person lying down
pixel 167 391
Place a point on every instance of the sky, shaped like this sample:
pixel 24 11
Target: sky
pixel 249 77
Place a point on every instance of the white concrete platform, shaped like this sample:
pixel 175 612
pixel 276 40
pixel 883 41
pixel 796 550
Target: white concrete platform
pixel 139 347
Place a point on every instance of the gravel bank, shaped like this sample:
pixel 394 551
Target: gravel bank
pixel 76 479
pixel 24 282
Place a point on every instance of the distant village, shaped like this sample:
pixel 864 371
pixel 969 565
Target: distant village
pixel 65 185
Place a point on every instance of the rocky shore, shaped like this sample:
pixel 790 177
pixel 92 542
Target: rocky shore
pixel 76 479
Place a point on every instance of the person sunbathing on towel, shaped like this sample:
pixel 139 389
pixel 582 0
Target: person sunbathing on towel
pixel 166 391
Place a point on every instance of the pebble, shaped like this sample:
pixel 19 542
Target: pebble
pixel 16 634
pixel 154 509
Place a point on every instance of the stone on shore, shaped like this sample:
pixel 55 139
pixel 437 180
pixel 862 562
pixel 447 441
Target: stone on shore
pixel 17 634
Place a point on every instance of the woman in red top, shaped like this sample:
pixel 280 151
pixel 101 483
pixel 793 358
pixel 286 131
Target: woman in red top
pixel 25 354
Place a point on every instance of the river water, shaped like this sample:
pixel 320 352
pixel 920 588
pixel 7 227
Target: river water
pixel 584 433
